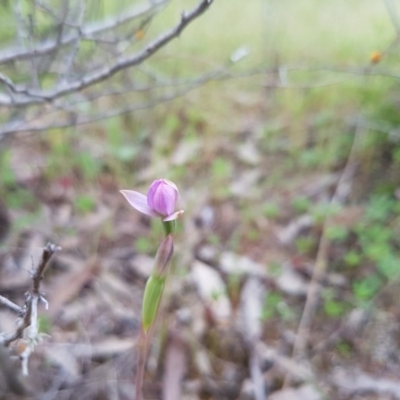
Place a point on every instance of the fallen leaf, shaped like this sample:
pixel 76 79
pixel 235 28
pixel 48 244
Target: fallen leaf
pixel 212 290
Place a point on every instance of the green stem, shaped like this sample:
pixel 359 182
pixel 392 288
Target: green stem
pixel 169 227
pixel 151 302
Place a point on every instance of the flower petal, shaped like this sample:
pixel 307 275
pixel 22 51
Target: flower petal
pixel 172 184
pixel 162 197
pixel 139 202
pixel 173 216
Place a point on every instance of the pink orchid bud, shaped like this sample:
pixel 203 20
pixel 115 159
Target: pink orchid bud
pixel 162 197
pixel 161 200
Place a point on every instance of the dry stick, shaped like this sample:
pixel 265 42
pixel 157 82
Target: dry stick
pixel 320 267
pixel 12 306
pixel 29 312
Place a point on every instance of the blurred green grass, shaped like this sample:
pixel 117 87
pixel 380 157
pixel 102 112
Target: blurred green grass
pixel 329 42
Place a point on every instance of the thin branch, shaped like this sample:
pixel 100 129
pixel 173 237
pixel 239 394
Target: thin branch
pixel 33 61
pixel 47 62
pixel 12 306
pixel 7 82
pixel 24 126
pixel 22 324
pixel 93 78
pixel 75 48
pixel 72 119
pixel 37 277
pixel 29 312
pixel 16 54
pixel 6 101
pixel 33 335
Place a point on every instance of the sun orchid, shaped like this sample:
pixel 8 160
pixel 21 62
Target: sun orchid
pixel 161 200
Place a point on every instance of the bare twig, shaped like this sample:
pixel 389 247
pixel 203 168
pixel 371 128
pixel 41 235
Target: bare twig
pixel 12 306
pixel 33 61
pixel 6 340
pixel 32 125
pixel 29 312
pixel 75 48
pixel 37 277
pixel 36 97
pixel 42 49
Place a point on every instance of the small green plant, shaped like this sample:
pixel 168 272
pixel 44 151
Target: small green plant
pixel 301 204
pixel 275 305
pixel 271 210
pixel 322 211
pixel 84 203
pixel 271 301
pixel 337 233
pixel 388 265
pixel 379 208
pixel 352 258
pixel 305 244
pixel 332 306
pixel 366 288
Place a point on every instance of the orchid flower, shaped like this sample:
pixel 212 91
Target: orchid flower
pixel 161 200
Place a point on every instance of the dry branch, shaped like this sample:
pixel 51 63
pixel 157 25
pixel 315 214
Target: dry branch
pixel 29 311
pixel 89 32
pixel 22 96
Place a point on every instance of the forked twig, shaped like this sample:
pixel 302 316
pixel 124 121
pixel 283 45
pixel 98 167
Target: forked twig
pixel 29 311
pixel 30 97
